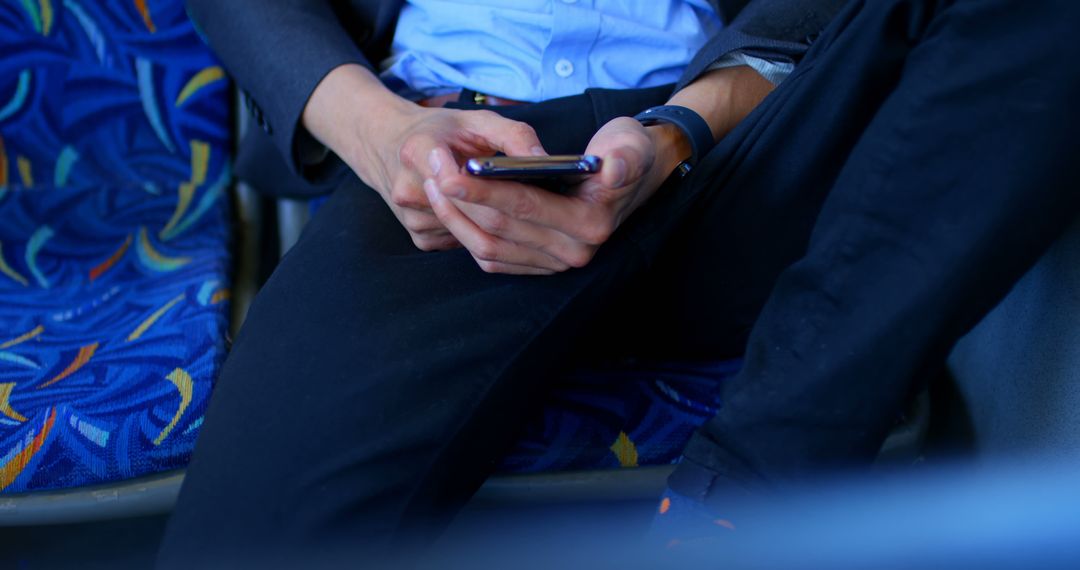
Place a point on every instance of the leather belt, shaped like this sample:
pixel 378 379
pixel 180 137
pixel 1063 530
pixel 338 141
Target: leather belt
pixel 469 96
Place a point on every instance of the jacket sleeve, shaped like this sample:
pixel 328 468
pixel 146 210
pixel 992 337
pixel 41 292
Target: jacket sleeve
pixel 774 30
pixel 278 51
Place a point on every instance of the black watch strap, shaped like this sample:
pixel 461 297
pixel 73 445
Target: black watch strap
pixel 691 123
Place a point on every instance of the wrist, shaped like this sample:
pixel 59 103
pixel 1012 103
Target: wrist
pixel 671 146
pixel 349 107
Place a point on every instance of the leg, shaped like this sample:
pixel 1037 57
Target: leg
pixel 374 387
pixel 961 180
pixel 367 369
pixel 747 211
pixel 362 393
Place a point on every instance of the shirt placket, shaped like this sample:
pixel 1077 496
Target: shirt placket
pixel 575 26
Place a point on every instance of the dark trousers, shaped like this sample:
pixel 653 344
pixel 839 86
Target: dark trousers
pixel 864 217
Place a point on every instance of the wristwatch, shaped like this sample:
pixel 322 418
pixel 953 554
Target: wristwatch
pixel 690 123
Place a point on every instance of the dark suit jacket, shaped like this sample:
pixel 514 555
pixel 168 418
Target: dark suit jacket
pixel 279 50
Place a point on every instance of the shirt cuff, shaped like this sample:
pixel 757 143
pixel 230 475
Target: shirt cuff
pixel 775 72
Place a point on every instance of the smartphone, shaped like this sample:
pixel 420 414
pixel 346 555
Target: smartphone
pixel 567 169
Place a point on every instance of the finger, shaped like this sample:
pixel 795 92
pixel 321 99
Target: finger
pixel 622 166
pixel 428 242
pixel 408 193
pixel 424 156
pixel 517 200
pixel 511 269
pixel 565 249
pixel 499 224
pixel 626 151
pixel 511 137
pixel 569 215
pixel 422 222
pixel 483 246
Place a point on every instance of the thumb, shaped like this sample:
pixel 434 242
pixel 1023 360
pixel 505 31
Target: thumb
pixel 624 165
pixel 626 152
pixel 615 170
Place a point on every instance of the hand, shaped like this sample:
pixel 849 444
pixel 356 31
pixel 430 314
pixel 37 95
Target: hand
pixel 515 228
pixel 390 144
pixel 510 227
pixel 423 143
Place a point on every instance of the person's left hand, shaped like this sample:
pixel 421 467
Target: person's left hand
pixel 510 227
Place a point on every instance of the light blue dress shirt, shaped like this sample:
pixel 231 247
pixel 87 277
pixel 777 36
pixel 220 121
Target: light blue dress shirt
pixel 532 50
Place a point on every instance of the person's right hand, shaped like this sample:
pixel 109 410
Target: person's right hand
pixel 397 162
pixel 389 142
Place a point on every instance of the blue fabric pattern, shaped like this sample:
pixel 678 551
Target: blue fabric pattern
pixel 620 416
pixel 114 239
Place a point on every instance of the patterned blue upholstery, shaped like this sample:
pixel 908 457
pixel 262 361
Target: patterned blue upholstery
pixel 114 264
pixel 620 416
pixel 114 149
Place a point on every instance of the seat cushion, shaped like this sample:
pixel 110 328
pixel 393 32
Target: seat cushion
pixel 111 338
pixel 619 416
pixel 114 245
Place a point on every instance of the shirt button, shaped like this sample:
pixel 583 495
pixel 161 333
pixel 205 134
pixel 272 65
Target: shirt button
pixel 563 68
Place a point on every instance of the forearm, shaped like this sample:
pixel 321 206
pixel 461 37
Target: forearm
pixel 723 97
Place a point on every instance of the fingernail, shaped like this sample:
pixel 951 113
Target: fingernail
pixel 537 151
pixel 434 161
pixel 618 171
pixel 432 190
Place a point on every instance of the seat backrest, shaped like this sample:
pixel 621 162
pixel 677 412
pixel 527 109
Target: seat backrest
pixel 117 93
pixel 1018 371
pixel 115 144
